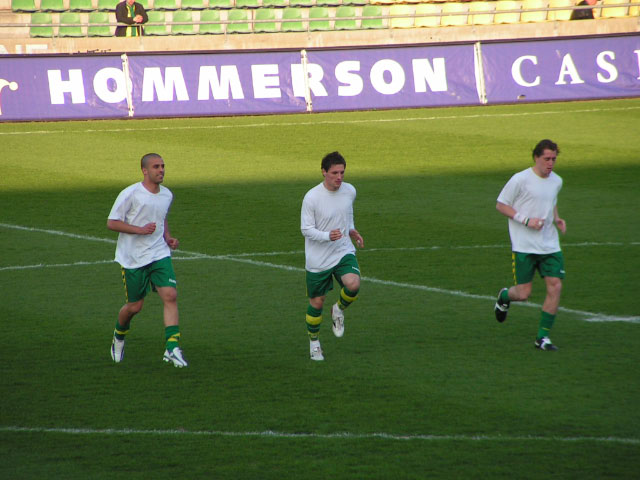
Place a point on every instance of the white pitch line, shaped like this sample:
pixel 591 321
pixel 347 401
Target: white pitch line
pixel 322 436
pixel 321 122
pixel 588 316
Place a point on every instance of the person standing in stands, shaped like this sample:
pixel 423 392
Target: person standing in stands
pixel 133 15
pixel 583 13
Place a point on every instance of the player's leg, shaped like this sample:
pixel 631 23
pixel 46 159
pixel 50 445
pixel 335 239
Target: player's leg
pixel 524 267
pixel 136 285
pixel 552 268
pixel 347 273
pixel 164 281
pixel 318 285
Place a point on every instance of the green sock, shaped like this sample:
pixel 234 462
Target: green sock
pixel 504 297
pixel 119 332
pixel 347 297
pixel 172 335
pixel 546 322
pixel 314 319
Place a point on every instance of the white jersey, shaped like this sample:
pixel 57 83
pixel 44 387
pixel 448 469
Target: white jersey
pixel 138 206
pixel 533 197
pixel 323 211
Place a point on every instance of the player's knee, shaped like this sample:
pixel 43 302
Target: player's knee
pixel 168 294
pixel 134 307
pixel 523 292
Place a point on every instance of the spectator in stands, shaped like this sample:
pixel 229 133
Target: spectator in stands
pixel 583 13
pixel 133 14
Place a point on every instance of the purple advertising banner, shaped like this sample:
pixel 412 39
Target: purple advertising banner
pixel 46 88
pixel 575 69
pixel 392 78
pixel 215 84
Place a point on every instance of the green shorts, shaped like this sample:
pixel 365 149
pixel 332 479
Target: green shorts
pixel 139 281
pixel 526 264
pixel 321 283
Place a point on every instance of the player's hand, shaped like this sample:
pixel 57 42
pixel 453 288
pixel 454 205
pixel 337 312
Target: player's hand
pixel 562 225
pixel 172 242
pixel 137 18
pixel 536 223
pixel 335 235
pixel 148 229
pixel 356 237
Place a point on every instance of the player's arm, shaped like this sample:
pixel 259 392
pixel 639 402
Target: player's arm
pixel 560 223
pixel 172 242
pixel 122 227
pixel 509 211
pixel 308 225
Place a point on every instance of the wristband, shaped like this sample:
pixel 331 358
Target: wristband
pixel 518 217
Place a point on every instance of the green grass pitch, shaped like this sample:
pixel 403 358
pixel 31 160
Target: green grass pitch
pixel 425 383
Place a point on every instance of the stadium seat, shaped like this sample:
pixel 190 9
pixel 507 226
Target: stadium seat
pixel 322 16
pixel 222 4
pixel 301 3
pixel 107 5
pixel 428 8
pixel 508 16
pixel 52 6
pixel 615 12
pixel 81 6
pixel 345 14
pixel 454 20
pixel 541 16
pixel 70 18
pixel 328 3
pixel 182 16
pixel 99 30
pixel 41 18
pixel 560 14
pixel 274 3
pixel 210 28
pixel 477 15
pixel 400 9
pixel 372 11
pixel 238 14
pixel 23 6
pixel 247 4
pixel 355 3
pixel 165 5
pixel 291 13
pixel 265 27
pixel 193 4
pixel 156 16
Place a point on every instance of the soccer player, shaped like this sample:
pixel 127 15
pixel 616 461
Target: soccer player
pixel 327 226
pixel 530 200
pixel 144 247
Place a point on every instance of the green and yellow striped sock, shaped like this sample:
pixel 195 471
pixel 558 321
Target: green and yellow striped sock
pixel 172 335
pixel 546 322
pixel 347 297
pixel 314 319
pixel 119 332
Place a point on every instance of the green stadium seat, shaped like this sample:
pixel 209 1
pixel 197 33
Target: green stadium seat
pixel 274 3
pixel 182 16
pixel 301 3
pixel 70 18
pixel 193 4
pixel 107 5
pixel 292 13
pixel 41 18
pixel 52 6
pixel 156 16
pixel 81 6
pixel 355 3
pixel 372 11
pixel 23 6
pixel 265 27
pixel 322 14
pixel 238 14
pixel 99 30
pixel 345 13
pixel 247 4
pixel 165 5
pixel 481 12
pixel 211 28
pixel 328 3
pixel 220 4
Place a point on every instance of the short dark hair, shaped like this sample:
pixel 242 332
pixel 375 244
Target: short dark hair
pixel 333 158
pixel 144 161
pixel 543 145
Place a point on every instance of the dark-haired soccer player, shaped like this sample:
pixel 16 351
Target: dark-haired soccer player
pixel 144 247
pixel 530 200
pixel 328 228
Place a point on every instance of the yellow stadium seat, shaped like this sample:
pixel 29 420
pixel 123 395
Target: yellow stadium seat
pixel 453 20
pixel 615 12
pixel 428 8
pixel 400 9
pixel 507 17
pixel 540 16
pixel 476 15
pixel 560 14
